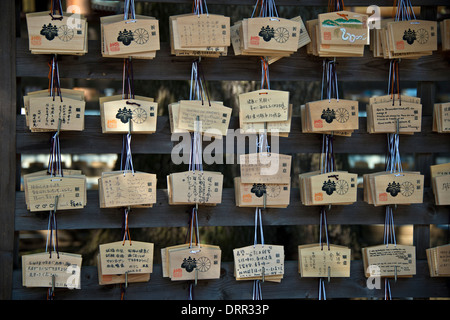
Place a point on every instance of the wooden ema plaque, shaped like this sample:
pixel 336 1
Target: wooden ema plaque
pixel 130 37
pixel 43 192
pixel 44 113
pixel 316 260
pixel 259 262
pixel 413 36
pixel 191 187
pixel 280 128
pixel 65 34
pixel 106 20
pixel 385 188
pixel 445 34
pixel 439 261
pixel 195 115
pixel 441 117
pixel 126 188
pixel 338 188
pixel 272 33
pixel 206 35
pixel 389 260
pixel 137 115
pixel 269 168
pixel 38 269
pixel 392 114
pixel 203 30
pixel 196 262
pixel 264 106
pixel 344 48
pixel 271 195
pixel 409 39
pixel 331 115
pixel 307 128
pixel 122 257
pixel 240 40
pixel 440 183
pixel 344 28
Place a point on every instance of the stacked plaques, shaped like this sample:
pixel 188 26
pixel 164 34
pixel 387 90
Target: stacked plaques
pixel 63 34
pixel 204 35
pixel 264 181
pixel 137 38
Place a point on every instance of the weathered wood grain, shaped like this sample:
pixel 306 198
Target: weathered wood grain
pixel 227 288
pixel 91 140
pixel 227 214
pixel 298 67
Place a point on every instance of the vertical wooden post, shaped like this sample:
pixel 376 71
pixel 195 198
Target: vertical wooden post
pixel 8 144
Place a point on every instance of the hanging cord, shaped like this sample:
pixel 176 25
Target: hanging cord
pixel 257 291
pixel 267 8
pixel 56 5
pixel 125 227
pixel 198 91
pixel 129 10
pixel 199 7
pixel 335 5
pixel 54 84
pixel 193 238
pixel 126 163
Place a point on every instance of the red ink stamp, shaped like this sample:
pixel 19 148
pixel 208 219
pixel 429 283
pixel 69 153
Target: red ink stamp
pixel 327 35
pixel 318 124
pixel 254 41
pixel 177 273
pixel 383 196
pixel 318 196
pixel 400 45
pixel 112 124
pixel 36 40
pixel 114 46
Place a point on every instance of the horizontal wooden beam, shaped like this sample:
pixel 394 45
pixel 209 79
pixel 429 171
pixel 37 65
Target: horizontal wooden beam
pixel 292 286
pixel 228 214
pixel 298 67
pixel 315 3
pixel 92 140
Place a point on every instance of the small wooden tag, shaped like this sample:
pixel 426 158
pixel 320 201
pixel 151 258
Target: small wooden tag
pixel 190 187
pixel 440 183
pixel 317 260
pixel 337 187
pixel 68 192
pixel 385 116
pixel 332 115
pixel 259 261
pixel 204 30
pixel 122 189
pixel 265 168
pixel 125 257
pixel 197 115
pixel 264 106
pixel 441 117
pixel 389 260
pixel 397 188
pixel 116 116
pixel 273 33
pixel 343 27
pixel 66 34
pixel 38 269
pixel 129 37
pixel 413 36
pixel 439 261
pixel 198 262
pixel 259 194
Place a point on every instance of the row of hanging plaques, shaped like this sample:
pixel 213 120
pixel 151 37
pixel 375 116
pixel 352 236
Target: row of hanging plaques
pixel 128 262
pixel 258 110
pixel 332 34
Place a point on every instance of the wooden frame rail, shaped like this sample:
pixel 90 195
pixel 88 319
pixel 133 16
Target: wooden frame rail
pixel 17 62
